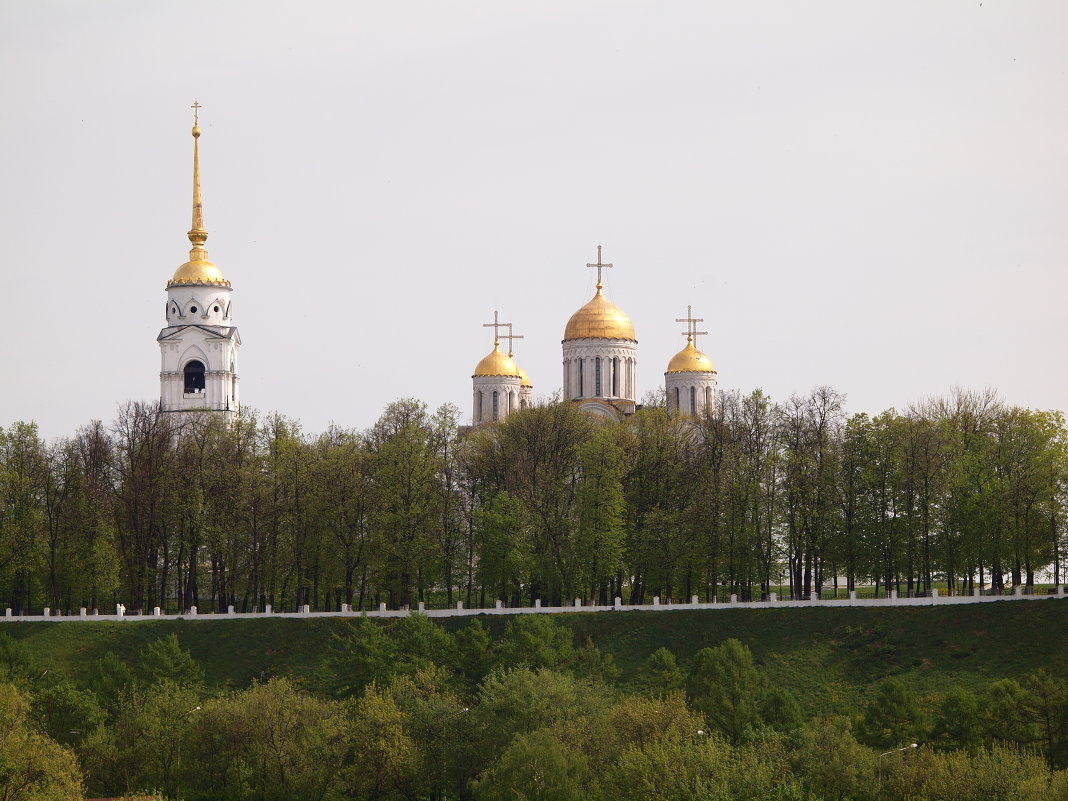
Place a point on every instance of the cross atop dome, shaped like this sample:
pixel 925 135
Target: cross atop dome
pixel 510 336
pixel 599 267
pixel 691 325
pixel 496 325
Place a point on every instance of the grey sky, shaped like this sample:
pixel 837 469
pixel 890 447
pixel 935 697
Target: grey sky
pixel 866 195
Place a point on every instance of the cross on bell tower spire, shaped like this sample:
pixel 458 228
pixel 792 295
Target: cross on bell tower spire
pixel 599 267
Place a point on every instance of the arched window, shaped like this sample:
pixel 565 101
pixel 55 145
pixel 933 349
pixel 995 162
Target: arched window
pixel 496 404
pixel 677 407
pixel 708 398
pixel 615 377
pixel 693 400
pixel 194 376
pixel 581 381
pixel 597 377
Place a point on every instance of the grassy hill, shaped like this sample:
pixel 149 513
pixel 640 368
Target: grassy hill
pixel 828 657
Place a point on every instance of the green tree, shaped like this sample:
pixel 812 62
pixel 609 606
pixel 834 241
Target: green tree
pixel 65 713
pixel 780 710
pixel 832 764
pixel 958 722
pixel 33 767
pixel 385 758
pixel 165 660
pixel 660 674
pixel 725 686
pixel 536 641
pixel 892 717
pixel 535 766
pixel 600 508
pixel 270 742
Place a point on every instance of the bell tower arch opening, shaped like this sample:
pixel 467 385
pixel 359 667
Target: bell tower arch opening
pixel 194 377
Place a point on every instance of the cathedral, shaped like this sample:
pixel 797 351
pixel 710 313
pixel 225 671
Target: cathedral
pixel 199 346
pixel 600 360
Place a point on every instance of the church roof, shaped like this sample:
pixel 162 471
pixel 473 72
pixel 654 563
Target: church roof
pixel 220 331
pixel 599 319
pixel 497 364
pixel 690 360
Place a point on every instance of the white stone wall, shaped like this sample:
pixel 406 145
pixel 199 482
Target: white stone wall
pixel 678 387
pixel 508 397
pixel 212 304
pixel 580 369
pixel 499 609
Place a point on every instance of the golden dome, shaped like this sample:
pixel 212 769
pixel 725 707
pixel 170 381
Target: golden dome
pixel 198 271
pixel 524 379
pixel 497 364
pixel 690 360
pixel 599 319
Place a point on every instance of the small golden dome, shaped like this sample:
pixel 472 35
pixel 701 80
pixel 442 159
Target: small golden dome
pixel 524 379
pixel 198 271
pixel 599 319
pixel 690 360
pixel 497 364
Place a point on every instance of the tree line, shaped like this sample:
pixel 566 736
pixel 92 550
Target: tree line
pixel 797 497
pixel 411 711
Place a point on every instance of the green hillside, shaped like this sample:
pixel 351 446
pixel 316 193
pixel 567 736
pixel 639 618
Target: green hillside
pixel 828 657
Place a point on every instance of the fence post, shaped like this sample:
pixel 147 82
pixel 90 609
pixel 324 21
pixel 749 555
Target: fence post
pixel 617 603
pixel 499 604
pixel 155 611
pixel 656 600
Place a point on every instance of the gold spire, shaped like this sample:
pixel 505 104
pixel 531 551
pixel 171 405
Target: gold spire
pixel 197 235
pixel 198 270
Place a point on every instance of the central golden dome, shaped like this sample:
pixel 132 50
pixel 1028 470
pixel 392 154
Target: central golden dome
pixel 497 364
pixel 198 271
pixel 690 360
pixel 599 319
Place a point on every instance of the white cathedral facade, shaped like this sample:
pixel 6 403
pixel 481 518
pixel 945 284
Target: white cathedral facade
pixel 199 344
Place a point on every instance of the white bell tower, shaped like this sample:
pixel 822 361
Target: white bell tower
pixel 199 344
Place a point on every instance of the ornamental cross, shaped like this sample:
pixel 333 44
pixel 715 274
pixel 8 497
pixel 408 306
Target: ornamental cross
pixel 510 336
pixel 599 266
pixel 691 325
pixel 496 325
pixel 196 112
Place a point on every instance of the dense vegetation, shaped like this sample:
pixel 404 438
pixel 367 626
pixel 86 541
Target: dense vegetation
pixel 522 709
pixel 550 503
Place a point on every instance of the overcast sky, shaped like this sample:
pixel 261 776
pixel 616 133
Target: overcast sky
pixel 868 195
